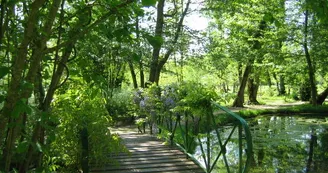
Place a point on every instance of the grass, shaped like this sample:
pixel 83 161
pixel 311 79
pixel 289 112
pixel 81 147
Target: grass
pixel 297 109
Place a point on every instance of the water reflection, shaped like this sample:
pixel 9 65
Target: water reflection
pixel 282 144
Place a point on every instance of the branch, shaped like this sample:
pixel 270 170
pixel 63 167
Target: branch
pixel 67 76
pixel 176 36
pixel 78 35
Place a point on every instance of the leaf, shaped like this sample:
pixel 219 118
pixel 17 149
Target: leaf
pixel 277 23
pixel 2 98
pixel 136 57
pixel 148 3
pixel 140 12
pixel 268 17
pixel 156 41
pixel 22 147
pixel 3 71
pixel 21 107
pixel 26 85
pixel 38 147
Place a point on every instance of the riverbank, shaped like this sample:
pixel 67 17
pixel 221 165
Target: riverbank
pixel 281 109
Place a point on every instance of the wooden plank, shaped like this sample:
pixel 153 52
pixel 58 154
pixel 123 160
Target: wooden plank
pixel 191 168
pixel 150 165
pixel 147 154
pixel 150 154
pixel 149 158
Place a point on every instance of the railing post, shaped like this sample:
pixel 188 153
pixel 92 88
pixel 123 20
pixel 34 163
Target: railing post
pixel 208 143
pixel 240 141
pixel 85 150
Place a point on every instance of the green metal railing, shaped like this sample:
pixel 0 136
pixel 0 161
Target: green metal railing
pixel 186 129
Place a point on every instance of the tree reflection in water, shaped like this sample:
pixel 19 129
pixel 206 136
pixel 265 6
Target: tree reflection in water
pixel 281 144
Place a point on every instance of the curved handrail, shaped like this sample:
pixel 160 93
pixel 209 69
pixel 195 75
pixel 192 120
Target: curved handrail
pixel 190 131
pixel 248 135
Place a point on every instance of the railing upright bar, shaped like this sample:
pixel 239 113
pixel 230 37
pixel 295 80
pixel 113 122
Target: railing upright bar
pixel 208 143
pixel 248 136
pixel 187 132
pixel 206 154
pixel 203 152
pixel 240 131
pixel 222 147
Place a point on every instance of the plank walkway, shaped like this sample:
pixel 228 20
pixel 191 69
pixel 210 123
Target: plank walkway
pixel 148 154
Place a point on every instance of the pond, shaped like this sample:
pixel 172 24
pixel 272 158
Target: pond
pixel 280 144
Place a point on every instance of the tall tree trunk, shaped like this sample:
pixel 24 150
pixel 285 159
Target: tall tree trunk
pixel 277 82
pixel 282 88
pixel 141 70
pixel 156 64
pixel 158 34
pixel 240 73
pixel 2 19
pixel 133 75
pixel 311 68
pixel 239 101
pixel 322 96
pixel 18 67
pixel 45 107
pixel 14 95
pixel 142 75
pixel 269 78
pixel 253 87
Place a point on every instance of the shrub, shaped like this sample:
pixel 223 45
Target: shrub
pixel 76 111
pixel 120 106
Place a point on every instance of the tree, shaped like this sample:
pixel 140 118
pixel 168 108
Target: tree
pixel 41 19
pixel 157 40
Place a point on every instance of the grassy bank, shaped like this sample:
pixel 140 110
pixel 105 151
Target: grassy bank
pixel 297 109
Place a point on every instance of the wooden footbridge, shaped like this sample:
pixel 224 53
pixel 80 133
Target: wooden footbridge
pixel 148 154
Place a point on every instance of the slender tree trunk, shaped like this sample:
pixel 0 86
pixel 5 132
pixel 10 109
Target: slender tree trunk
pixel 156 64
pixel 158 34
pixel 239 101
pixel 18 67
pixel 14 95
pixel 45 107
pixel 269 79
pixel 240 73
pixel 311 69
pixel 322 96
pixel 142 75
pixel 2 19
pixel 277 82
pixel 133 75
pixel 282 88
pixel 253 87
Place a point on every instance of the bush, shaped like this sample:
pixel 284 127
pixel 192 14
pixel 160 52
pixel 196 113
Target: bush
pixel 120 106
pixel 76 111
pixel 305 91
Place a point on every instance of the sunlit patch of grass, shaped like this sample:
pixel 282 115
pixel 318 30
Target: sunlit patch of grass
pixel 275 100
pixel 297 109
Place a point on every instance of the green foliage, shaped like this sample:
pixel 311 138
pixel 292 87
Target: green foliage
pixel 3 71
pixel 76 110
pixel 305 91
pixel 195 97
pixel 120 106
pixel 148 3
pixel 156 41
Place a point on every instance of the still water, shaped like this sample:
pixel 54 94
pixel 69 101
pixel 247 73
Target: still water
pixel 281 144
